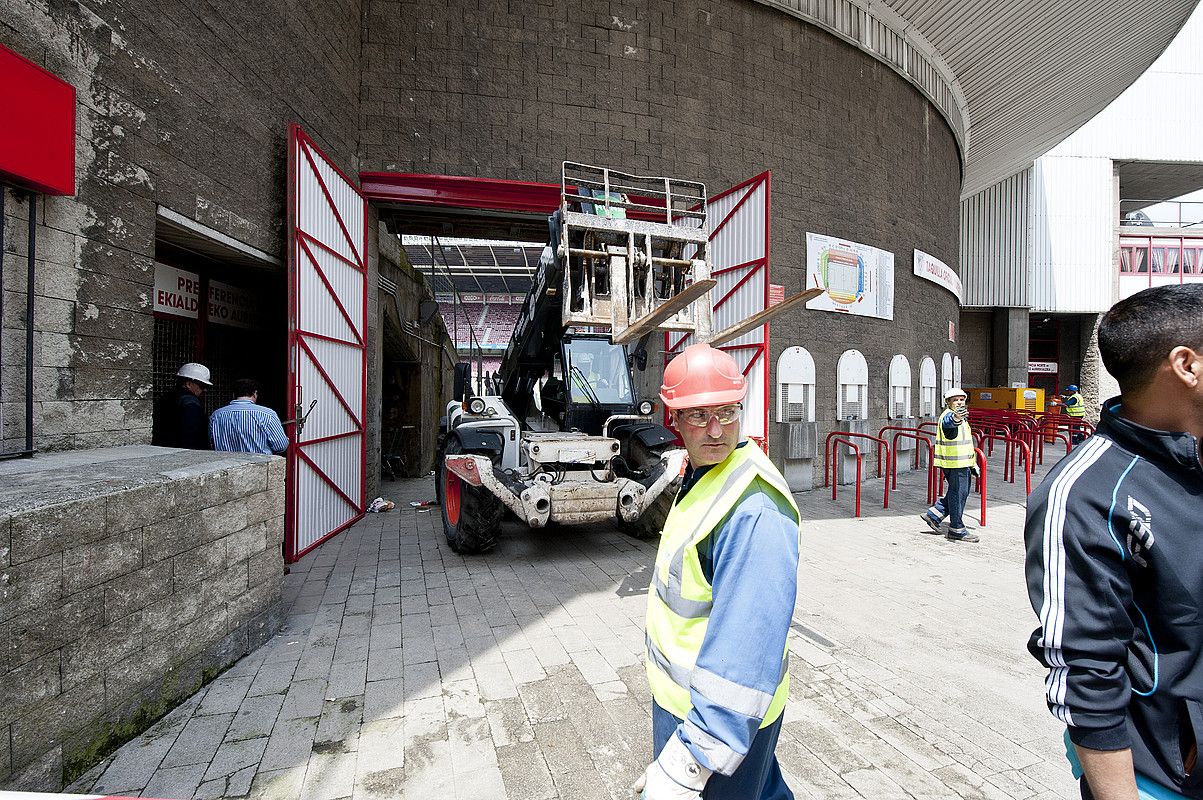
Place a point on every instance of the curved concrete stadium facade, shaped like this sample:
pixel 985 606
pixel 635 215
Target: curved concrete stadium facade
pixel 870 118
pixel 716 93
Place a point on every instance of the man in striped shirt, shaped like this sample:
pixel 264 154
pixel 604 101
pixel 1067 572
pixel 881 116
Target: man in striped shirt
pixel 244 426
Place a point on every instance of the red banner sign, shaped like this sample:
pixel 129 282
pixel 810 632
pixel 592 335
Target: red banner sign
pixel 37 135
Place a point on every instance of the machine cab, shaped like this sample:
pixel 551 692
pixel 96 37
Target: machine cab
pixel 589 382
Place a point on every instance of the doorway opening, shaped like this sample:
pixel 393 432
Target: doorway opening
pixel 239 331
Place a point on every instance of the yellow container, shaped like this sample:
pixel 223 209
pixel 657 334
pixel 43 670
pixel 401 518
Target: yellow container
pixel 1006 398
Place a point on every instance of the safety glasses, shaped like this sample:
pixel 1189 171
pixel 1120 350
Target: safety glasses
pixel 700 417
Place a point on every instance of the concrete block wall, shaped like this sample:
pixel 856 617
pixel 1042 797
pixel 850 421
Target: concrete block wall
pixel 123 592
pixel 429 386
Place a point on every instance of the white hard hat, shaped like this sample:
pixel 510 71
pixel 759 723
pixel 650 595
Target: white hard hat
pixel 954 392
pixel 195 372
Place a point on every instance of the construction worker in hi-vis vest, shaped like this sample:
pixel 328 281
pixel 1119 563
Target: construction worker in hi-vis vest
pixel 721 599
pixel 1075 408
pixel 955 455
pixel 1072 400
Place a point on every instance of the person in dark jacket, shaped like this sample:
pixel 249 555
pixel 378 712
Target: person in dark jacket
pixel 180 419
pixel 1115 566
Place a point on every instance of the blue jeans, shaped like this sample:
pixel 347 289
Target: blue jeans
pixel 757 778
pixel 952 504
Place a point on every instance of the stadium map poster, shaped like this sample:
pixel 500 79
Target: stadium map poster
pixel 856 278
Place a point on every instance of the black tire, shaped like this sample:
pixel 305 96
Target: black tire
pixel 650 523
pixel 477 514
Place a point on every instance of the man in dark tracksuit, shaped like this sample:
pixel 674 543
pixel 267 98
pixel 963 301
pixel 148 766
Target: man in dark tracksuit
pixel 1115 562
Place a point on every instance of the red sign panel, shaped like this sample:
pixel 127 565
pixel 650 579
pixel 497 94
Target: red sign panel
pixel 776 294
pixel 37 137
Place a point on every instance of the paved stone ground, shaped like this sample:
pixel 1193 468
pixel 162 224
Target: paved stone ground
pixel 407 671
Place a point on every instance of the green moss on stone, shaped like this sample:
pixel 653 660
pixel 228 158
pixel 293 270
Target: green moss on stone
pixel 82 755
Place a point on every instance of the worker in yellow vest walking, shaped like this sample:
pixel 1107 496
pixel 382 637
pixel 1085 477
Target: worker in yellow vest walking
pixel 720 601
pixel 954 454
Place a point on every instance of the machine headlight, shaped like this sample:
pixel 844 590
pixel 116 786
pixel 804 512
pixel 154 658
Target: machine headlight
pixel 647 407
pixel 476 405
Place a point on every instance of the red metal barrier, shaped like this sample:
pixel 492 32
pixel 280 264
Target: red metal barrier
pixel 1014 444
pixel 835 480
pixel 830 448
pixel 1050 433
pixel 981 482
pixel 920 437
pixel 999 424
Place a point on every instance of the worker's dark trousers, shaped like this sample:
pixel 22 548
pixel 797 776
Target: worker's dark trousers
pixel 952 504
pixel 757 778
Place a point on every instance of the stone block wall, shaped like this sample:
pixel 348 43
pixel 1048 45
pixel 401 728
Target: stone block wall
pixel 123 589
pixel 177 105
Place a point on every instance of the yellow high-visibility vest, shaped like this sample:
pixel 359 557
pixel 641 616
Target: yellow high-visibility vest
pixel 1078 409
pixel 955 453
pixel 680 598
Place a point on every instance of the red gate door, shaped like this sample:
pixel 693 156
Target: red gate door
pixel 738 253
pixel 327 358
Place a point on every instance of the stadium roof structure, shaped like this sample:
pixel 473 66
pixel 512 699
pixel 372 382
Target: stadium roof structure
pixel 1012 77
pixel 484 266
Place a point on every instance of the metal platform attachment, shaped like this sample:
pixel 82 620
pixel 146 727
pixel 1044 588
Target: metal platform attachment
pixel 634 252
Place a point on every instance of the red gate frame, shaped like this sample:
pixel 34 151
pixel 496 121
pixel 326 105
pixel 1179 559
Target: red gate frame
pixel 752 267
pixel 300 143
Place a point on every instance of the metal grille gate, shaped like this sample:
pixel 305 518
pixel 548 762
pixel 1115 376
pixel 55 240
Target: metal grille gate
pixel 327 362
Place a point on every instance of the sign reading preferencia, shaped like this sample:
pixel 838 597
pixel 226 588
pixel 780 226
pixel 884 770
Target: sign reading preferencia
pixel 177 294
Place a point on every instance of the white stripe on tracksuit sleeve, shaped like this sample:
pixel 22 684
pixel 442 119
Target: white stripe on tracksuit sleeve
pixel 1076 582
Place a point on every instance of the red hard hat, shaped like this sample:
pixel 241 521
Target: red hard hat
pixel 702 376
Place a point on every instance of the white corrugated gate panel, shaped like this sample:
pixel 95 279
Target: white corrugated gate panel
pixel 327 359
pixel 319 510
pixel 738 220
pixel 318 309
pixel 994 244
pixel 339 464
pixel 1072 240
pixel 339 362
pixel 742 240
pixel 314 199
pixel 335 419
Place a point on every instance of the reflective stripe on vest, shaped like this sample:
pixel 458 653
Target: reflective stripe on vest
pixel 1078 409
pixel 680 599
pixel 728 694
pixel 955 453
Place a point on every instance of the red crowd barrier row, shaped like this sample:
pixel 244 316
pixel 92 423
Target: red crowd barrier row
pixel 831 462
pixel 1017 448
pixel 981 482
pixel 920 437
pixel 1017 432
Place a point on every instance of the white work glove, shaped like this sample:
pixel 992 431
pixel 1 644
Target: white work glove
pixel 977 473
pixel 675 775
